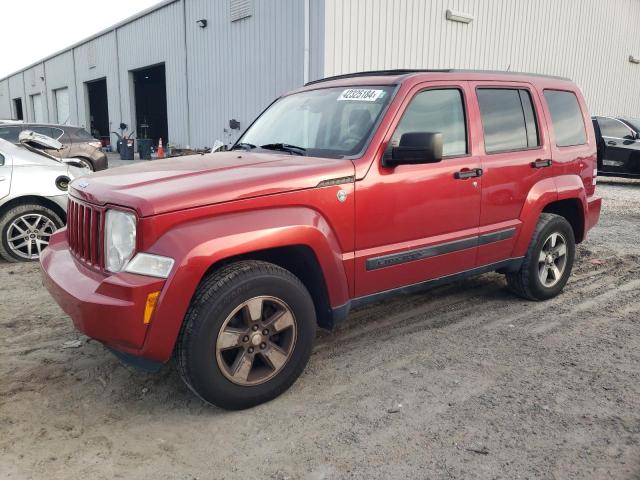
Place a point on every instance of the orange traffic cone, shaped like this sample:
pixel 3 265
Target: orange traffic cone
pixel 160 153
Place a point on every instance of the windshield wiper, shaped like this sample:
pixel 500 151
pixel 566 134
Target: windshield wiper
pixel 284 147
pixel 243 146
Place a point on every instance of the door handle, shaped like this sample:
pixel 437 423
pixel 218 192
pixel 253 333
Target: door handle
pixel 462 174
pixel 612 143
pixel 541 163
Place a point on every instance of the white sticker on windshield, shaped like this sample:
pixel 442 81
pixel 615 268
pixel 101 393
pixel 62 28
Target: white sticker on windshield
pixel 361 94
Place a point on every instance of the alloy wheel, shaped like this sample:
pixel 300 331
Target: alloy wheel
pixel 256 340
pixel 29 234
pixel 552 259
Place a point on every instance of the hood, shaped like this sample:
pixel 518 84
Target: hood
pixel 178 183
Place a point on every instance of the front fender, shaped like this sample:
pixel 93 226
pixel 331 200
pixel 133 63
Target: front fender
pixel 199 244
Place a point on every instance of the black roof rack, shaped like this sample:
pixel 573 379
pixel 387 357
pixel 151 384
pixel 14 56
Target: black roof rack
pixel 408 71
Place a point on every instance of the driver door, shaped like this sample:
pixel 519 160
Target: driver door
pixel 420 222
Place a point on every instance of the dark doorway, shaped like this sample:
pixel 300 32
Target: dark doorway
pixel 150 91
pixel 98 108
pixel 17 106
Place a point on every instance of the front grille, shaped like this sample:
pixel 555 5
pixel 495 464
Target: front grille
pixel 85 224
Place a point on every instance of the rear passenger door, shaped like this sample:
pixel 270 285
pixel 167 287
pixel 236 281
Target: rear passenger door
pixel 516 156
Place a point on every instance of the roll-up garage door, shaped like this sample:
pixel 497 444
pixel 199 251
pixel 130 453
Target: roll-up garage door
pixel 62 106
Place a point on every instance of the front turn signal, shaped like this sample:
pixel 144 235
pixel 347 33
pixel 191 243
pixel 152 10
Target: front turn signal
pixel 152 300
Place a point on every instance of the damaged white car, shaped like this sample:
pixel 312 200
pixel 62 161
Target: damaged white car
pixel 33 195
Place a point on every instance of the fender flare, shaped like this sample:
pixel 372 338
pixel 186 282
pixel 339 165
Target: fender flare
pixel 198 245
pixel 543 193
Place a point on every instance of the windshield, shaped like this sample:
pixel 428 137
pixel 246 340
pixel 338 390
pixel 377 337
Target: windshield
pixel 330 122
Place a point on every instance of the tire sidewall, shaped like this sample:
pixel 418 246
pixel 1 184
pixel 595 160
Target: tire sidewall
pixel 14 213
pixel 205 374
pixel 556 225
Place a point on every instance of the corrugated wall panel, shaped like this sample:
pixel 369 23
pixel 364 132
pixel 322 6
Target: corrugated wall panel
pixel 16 90
pixel 95 60
pixel 5 100
pixel 152 39
pixel 587 40
pixel 235 69
pixel 35 84
pixel 60 74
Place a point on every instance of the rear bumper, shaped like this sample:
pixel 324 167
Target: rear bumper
pixel 108 308
pixel 594 205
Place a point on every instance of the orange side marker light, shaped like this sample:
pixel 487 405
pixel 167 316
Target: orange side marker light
pixel 152 300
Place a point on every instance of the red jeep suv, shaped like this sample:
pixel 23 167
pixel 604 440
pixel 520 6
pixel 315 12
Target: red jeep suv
pixel 341 193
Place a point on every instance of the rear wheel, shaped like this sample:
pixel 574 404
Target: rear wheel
pixel 547 264
pixel 247 336
pixel 25 231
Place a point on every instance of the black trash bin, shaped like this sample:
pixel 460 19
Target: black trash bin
pixel 126 150
pixel 144 148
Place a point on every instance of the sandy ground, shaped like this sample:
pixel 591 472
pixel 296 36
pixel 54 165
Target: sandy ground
pixel 465 381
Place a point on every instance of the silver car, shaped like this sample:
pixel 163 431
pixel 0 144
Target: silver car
pixel 33 196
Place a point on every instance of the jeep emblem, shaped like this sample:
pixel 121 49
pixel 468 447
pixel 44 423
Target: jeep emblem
pixel 342 195
pixel 83 184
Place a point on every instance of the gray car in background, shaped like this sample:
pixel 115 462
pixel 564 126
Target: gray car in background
pixel 33 198
pixel 77 143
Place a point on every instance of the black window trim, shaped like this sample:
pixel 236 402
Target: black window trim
pixel 464 112
pixel 584 127
pixel 535 119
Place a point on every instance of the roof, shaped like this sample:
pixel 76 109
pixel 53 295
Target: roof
pixel 110 29
pixel 401 73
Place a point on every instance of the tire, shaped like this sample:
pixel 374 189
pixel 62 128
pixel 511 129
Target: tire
pixel 47 220
pixel 528 281
pixel 86 163
pixel 207 362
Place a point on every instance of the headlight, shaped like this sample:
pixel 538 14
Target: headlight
pixel 151 265
pixel 119 239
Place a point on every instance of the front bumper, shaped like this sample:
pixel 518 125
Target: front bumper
pixel 108 308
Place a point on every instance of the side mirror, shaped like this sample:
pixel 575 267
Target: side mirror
pixel 414 148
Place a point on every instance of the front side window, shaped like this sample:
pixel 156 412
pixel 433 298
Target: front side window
pixel 330 122
pixel 614 128
pixel 437 111
pixel 508 119
pixel 566 118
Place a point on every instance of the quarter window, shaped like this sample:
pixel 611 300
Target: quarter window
pixel 614 128
pixel 437 111
pixel 508 119
pixel 566 118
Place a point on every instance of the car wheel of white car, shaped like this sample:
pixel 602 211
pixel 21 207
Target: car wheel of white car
pixel 26 230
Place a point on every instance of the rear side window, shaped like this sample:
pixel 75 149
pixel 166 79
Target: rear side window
pixel 10 134
pixel 82 134
pixel 614 128
pixel 437 111
pixel 1 160
pixel 566 118
pixel 508 119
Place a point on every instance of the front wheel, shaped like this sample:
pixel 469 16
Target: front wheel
pixel 25 231
pixel 247 335
pixel 547 264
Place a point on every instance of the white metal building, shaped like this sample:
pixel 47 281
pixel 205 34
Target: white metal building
pixel 187 67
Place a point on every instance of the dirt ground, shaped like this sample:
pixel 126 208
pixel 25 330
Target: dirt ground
pixel 465 381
